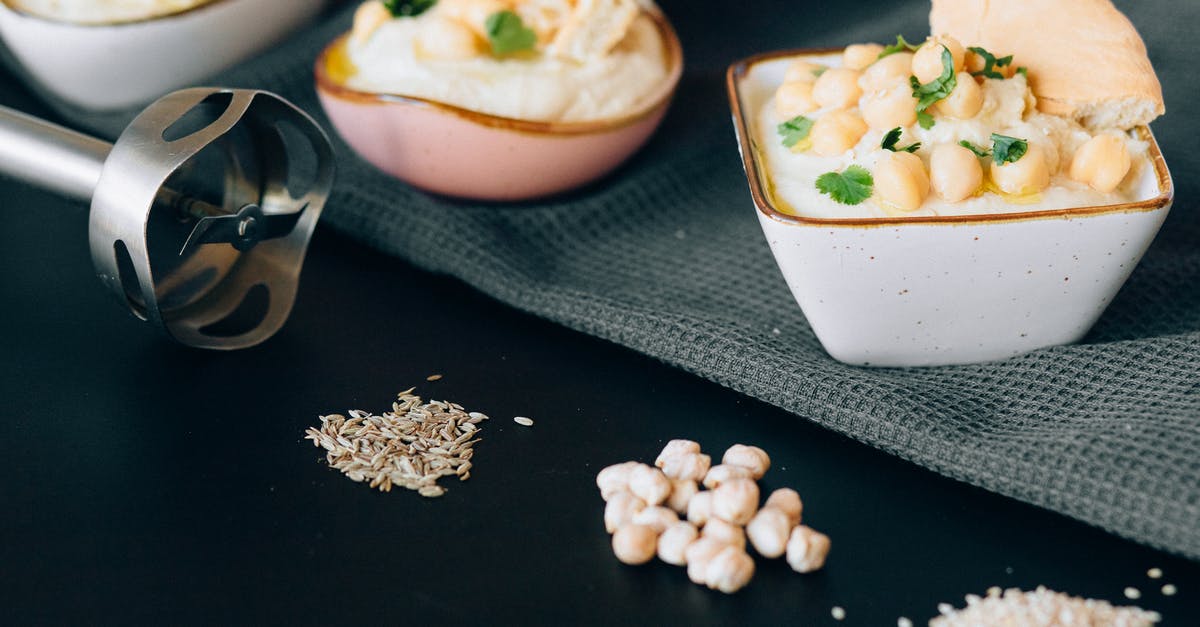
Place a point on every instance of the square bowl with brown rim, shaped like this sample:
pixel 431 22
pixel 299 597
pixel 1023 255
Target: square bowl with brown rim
pixel 937 290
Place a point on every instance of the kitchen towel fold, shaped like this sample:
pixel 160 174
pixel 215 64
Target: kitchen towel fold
pixel 666 257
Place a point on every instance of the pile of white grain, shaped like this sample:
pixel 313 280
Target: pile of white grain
pixel 1040 608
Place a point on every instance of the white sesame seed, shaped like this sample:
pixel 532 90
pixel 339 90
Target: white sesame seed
pixel 1017 607
pixel 1133 593
pixel 1169 590
pixel 523 421
pixel 903 622
pixel 1154 573
pixel 838 613
pixel 945 609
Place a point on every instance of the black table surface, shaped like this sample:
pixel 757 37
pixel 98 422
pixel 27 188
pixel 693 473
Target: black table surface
pixel 145 482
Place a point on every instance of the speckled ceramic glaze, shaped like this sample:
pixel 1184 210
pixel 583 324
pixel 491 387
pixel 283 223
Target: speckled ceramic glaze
pixel 454 151
pixel 113 66
pixel 946 290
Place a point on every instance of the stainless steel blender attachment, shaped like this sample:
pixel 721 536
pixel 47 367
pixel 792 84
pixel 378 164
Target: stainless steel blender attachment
pixel 201 212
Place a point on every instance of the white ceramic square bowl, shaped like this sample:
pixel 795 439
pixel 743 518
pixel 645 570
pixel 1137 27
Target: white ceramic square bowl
pixel 126 64
pixel 938 290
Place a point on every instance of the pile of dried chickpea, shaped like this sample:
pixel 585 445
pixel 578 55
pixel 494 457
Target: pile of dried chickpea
pixel 644 505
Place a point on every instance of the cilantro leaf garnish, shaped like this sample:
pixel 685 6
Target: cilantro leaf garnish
pixel 1007 149
pixel 893 137
pixel 889 140
pixel 794 130
pixel 979 152
pixel 990 63
pixel 1023 71
pixel 508 34
pixel 900 46
pixel 934 90
pixel 408 8
pixel 848 187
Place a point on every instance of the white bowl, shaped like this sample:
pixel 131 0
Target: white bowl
pixel 126 64
pixel 945 290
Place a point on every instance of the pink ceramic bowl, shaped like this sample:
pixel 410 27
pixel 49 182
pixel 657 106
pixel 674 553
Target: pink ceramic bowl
pixel 459 152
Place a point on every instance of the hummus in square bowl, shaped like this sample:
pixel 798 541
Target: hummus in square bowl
pixel 926 208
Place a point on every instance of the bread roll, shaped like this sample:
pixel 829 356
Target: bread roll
pixel 1085 59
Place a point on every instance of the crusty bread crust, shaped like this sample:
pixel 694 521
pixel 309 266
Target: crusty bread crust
pixel 1085 59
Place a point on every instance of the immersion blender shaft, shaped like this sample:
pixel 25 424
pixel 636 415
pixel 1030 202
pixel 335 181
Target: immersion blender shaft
pixel 50 156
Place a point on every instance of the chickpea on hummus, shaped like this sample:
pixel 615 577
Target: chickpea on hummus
pixel 935 129
pixel 536 60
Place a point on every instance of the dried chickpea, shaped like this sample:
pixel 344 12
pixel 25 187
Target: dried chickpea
pixel 806 549
pixel 620 510
pixel 673 543
pixel 724 472
pixel 787 501
pixel 682 491
pixel 656 517
pixel 803 71
pixel 634 544
pixel 729 571
pixel 1028 175
pixel 752 458
pixel 927 60
pixel 768 532
pixel 367 19
pixel 675 448
pixel 700 508
pixel 649 484
pixel 954 172
pixel 448 40
pixel 794 98
pixel 691 466
pixel 888 71
pixel 964 102
pixel 859 56
pixel 836 132
pixel 698 554
pixel 725 532
pixel 900 181
pixel 884 109
pixel 735 501
pixel 837 88
pixel 1102 162
pixel 615 478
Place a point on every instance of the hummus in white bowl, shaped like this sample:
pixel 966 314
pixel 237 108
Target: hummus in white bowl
pixel 448 54
pixel 874 101
pixel 103 11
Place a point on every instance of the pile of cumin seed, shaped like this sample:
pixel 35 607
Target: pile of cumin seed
pixel 411 446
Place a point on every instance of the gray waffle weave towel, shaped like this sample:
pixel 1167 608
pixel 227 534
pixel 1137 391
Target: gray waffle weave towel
pixel 666 257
